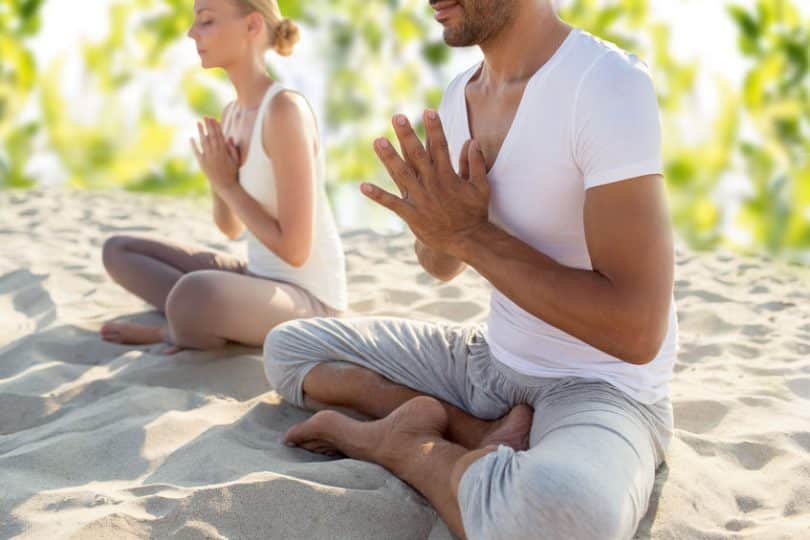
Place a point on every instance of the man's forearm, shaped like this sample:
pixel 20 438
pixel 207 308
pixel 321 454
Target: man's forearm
pixel 582 303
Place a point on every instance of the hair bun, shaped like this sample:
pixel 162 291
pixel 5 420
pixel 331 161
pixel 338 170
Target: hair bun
pixel 286 36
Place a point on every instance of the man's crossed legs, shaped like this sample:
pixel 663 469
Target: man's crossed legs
pixel 456 425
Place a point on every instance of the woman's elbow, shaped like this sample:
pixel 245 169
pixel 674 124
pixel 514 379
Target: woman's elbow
pixel 297 257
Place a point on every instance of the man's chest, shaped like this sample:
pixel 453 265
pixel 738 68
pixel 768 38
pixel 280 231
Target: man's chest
pixel 490 118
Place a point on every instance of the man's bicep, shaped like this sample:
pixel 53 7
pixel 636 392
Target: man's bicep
pixel 629 236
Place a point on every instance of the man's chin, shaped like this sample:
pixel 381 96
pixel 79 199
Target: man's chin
pixel 454 38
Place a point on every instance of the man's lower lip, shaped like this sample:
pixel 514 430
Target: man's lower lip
pixel 444 13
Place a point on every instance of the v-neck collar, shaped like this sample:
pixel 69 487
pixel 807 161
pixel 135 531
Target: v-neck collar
pixel 538 75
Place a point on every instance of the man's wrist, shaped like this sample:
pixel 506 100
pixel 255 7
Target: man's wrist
pixel 468 243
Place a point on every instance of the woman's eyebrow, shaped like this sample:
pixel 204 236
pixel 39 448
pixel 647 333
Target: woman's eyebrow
pixel 204 9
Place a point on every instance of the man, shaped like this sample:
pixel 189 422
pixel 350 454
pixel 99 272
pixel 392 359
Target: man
pixel 550 421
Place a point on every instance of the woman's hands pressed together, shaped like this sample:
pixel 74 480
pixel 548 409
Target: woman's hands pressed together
pixel 218 157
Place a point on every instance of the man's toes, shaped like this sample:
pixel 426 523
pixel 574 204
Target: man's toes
pixel 311 430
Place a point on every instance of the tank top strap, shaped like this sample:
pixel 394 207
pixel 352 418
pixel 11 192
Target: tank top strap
pixel 274 89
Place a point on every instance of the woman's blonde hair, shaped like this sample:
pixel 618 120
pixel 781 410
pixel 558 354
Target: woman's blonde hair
pixel 282 33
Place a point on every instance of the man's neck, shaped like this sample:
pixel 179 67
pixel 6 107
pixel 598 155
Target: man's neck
pixel 523 46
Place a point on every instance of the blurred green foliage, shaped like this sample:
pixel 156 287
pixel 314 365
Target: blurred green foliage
pixel 386 56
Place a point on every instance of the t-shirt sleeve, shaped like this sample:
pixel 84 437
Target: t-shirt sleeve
pixel 617 129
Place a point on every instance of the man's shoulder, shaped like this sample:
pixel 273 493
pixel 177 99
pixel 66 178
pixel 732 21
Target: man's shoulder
pixel 605 63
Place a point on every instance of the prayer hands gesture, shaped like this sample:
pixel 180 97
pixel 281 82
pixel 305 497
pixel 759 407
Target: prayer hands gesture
pixel 440 206
pixel 219 158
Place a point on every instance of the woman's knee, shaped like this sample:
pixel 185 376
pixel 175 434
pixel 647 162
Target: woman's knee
pixel 113 251
pixel 192 302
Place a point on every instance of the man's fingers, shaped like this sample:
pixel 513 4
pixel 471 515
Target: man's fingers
pixel 464 161
pixel 388 200
pixel 398 170
pixel 437 142
pixel 412 148
pixel 478 167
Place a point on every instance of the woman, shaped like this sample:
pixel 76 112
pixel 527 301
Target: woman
pixel 266 171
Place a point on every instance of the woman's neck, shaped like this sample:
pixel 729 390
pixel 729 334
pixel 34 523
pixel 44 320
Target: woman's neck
pixel 251 81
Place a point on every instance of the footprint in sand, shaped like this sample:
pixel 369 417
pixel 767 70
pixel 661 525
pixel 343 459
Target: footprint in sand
pixel 800 387
pixel 363 306
pixel 752 455
pixel 401 297
pixel 454 311
pixel 738 524
pixel 451 291
pixel 747 504
pixel 776 306
pixel 802 439
pixel 362 278
pixel 699 416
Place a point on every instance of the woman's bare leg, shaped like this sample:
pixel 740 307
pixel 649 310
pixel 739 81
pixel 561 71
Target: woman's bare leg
pixel 207 309
pixel 150 269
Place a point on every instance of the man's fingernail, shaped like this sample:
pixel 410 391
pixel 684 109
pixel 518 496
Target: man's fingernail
pixel 382 143
pixel 368 189
pixel 401 120
pixel 432 114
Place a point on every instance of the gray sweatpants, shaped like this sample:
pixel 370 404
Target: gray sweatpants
pixel 590 470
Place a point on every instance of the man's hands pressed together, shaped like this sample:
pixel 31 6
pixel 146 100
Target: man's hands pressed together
pixel 442 208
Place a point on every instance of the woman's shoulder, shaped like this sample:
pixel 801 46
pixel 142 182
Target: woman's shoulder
pixel 288 106
pixel 288 113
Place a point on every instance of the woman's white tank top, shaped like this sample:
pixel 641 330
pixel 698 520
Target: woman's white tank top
pixel 324 274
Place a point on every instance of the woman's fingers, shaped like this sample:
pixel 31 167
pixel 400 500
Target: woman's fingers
pixel 195 149
pixel 233 150
pixel 204 142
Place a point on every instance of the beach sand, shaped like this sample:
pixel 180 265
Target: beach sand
pixel 105 441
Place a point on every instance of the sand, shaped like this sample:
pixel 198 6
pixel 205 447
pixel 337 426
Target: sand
pixel 105 441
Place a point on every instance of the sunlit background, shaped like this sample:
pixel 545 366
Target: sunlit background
pixel 102 94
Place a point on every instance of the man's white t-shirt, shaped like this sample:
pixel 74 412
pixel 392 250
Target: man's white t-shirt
pixel 588 117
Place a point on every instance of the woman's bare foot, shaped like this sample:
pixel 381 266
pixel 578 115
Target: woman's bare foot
pixel 131 333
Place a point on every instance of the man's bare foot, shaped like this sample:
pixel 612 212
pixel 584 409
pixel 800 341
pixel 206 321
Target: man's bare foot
pixel 511 430
pixel 131 333
pixel 418 422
